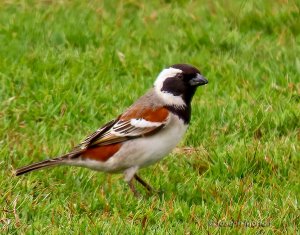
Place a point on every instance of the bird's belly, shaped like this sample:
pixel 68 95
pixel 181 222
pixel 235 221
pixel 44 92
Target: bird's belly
pixel 145 151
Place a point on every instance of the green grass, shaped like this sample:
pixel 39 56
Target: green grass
pixel 67 67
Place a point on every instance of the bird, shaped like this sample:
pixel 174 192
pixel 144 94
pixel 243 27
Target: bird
pixel 142 135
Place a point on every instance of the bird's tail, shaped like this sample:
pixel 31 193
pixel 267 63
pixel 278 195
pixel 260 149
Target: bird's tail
pixel 40 165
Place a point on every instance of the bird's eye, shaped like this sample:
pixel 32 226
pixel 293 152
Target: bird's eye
pixel 179 75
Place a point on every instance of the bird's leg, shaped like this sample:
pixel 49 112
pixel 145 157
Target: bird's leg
pixel 128 177
pixel 133 189
pixel 142 182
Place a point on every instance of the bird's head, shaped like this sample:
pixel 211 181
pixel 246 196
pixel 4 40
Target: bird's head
pixel 177 84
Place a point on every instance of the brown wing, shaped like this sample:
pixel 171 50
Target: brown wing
pixel 134 123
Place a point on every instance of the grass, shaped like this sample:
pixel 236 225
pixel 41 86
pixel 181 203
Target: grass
pixel 67 67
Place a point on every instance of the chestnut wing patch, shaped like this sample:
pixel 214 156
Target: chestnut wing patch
pixel 101 153
pixel 149 114
pixel 133 124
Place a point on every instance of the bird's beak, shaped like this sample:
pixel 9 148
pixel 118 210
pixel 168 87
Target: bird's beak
pixel 199 80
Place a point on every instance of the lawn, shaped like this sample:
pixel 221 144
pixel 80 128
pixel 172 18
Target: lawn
pixel 68 67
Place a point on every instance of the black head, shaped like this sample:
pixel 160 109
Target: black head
pixel 178 83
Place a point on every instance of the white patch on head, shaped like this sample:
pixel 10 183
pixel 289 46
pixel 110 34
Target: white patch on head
pixel 166 73
pixel 169 98
pixel 142 123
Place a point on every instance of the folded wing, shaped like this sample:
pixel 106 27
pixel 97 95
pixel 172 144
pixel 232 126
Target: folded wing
pixel 134 123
